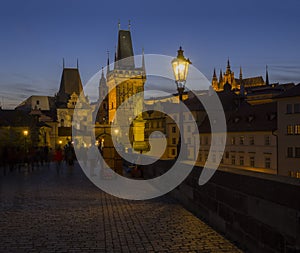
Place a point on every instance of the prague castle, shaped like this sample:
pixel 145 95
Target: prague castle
pixel 237 84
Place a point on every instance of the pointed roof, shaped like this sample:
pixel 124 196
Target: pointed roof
pixel 228 70
pixel 267 76
pixel 214 75
pixel 125 49
pixel 70 83
pixel 221 76
pixel 241 73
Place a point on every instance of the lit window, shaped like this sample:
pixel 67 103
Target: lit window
pixel 267 162
pixel 290 129
pixel 267 140
pixel 290 152
pixel 289 108
pixel 297 152
pixel 297 129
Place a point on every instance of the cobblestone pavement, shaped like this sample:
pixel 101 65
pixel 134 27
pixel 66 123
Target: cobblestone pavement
pixel 42 211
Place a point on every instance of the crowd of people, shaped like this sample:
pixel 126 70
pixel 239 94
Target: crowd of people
pixel 17 158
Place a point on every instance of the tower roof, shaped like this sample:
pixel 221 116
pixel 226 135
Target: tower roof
pixel 70 83
pixel 125 49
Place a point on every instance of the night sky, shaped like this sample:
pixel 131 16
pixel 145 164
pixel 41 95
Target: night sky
pixel 36 35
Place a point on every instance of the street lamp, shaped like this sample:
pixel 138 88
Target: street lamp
pixel 180 67
pixel 25 133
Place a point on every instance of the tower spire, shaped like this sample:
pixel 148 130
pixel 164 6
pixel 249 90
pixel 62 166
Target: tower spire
pixel 143 60
pixel 214 75
pixel 221 76
pixel 241 73
pixel 267 76
pixel 129 25
pixel 119 25
pixel 108 61
pixel 228 70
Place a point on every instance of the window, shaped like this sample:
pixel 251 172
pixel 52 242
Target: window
pixel 290 129
pixel 297 129
pixel 241 160
pixel 147 125
pixel 206 140
pixel 296 108
pixel 62 122
pixel 227 155
pixel 112 105
pixel 232 140
pixel 233 159
pixel 297 152
pixel 242 139
pixel 38 102
pixel 290 152
pixel 173 129
pixel 289 108
pixel 267 140
pixel 173 151
pixel 251 140
pixel 267 162
pixel 200 156
pixel 173 140
pixel 252 161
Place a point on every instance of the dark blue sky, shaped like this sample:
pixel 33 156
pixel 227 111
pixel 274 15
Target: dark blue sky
pixel 36 35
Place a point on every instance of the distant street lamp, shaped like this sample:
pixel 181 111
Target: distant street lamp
pixel 180 67
pixel 25 133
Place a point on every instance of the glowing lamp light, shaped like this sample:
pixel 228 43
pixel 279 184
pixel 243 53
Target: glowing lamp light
pixel 180 67
pixel 25 133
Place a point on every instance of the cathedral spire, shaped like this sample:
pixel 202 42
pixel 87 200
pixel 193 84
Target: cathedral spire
pixel 119 25
pixel 129 25
pixel 267 76
pixel 228 70
pixel 143 60
pixel 241 73
pixel 221 76
pixel 214 75
pixel 108 61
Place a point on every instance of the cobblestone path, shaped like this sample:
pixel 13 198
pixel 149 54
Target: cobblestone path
pixel 42 211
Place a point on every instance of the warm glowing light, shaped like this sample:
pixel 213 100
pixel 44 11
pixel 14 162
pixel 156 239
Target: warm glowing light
pixel 180 67
pixel 25 132
pixel 60 141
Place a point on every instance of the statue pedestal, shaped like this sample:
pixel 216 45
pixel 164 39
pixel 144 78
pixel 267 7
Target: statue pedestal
pixel 139 143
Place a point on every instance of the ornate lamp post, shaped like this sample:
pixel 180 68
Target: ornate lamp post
pixel 180 67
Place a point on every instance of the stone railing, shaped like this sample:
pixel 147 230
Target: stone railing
pixel 260 212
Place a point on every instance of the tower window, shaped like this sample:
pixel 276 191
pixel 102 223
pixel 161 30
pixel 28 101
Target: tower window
pixel 289 108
